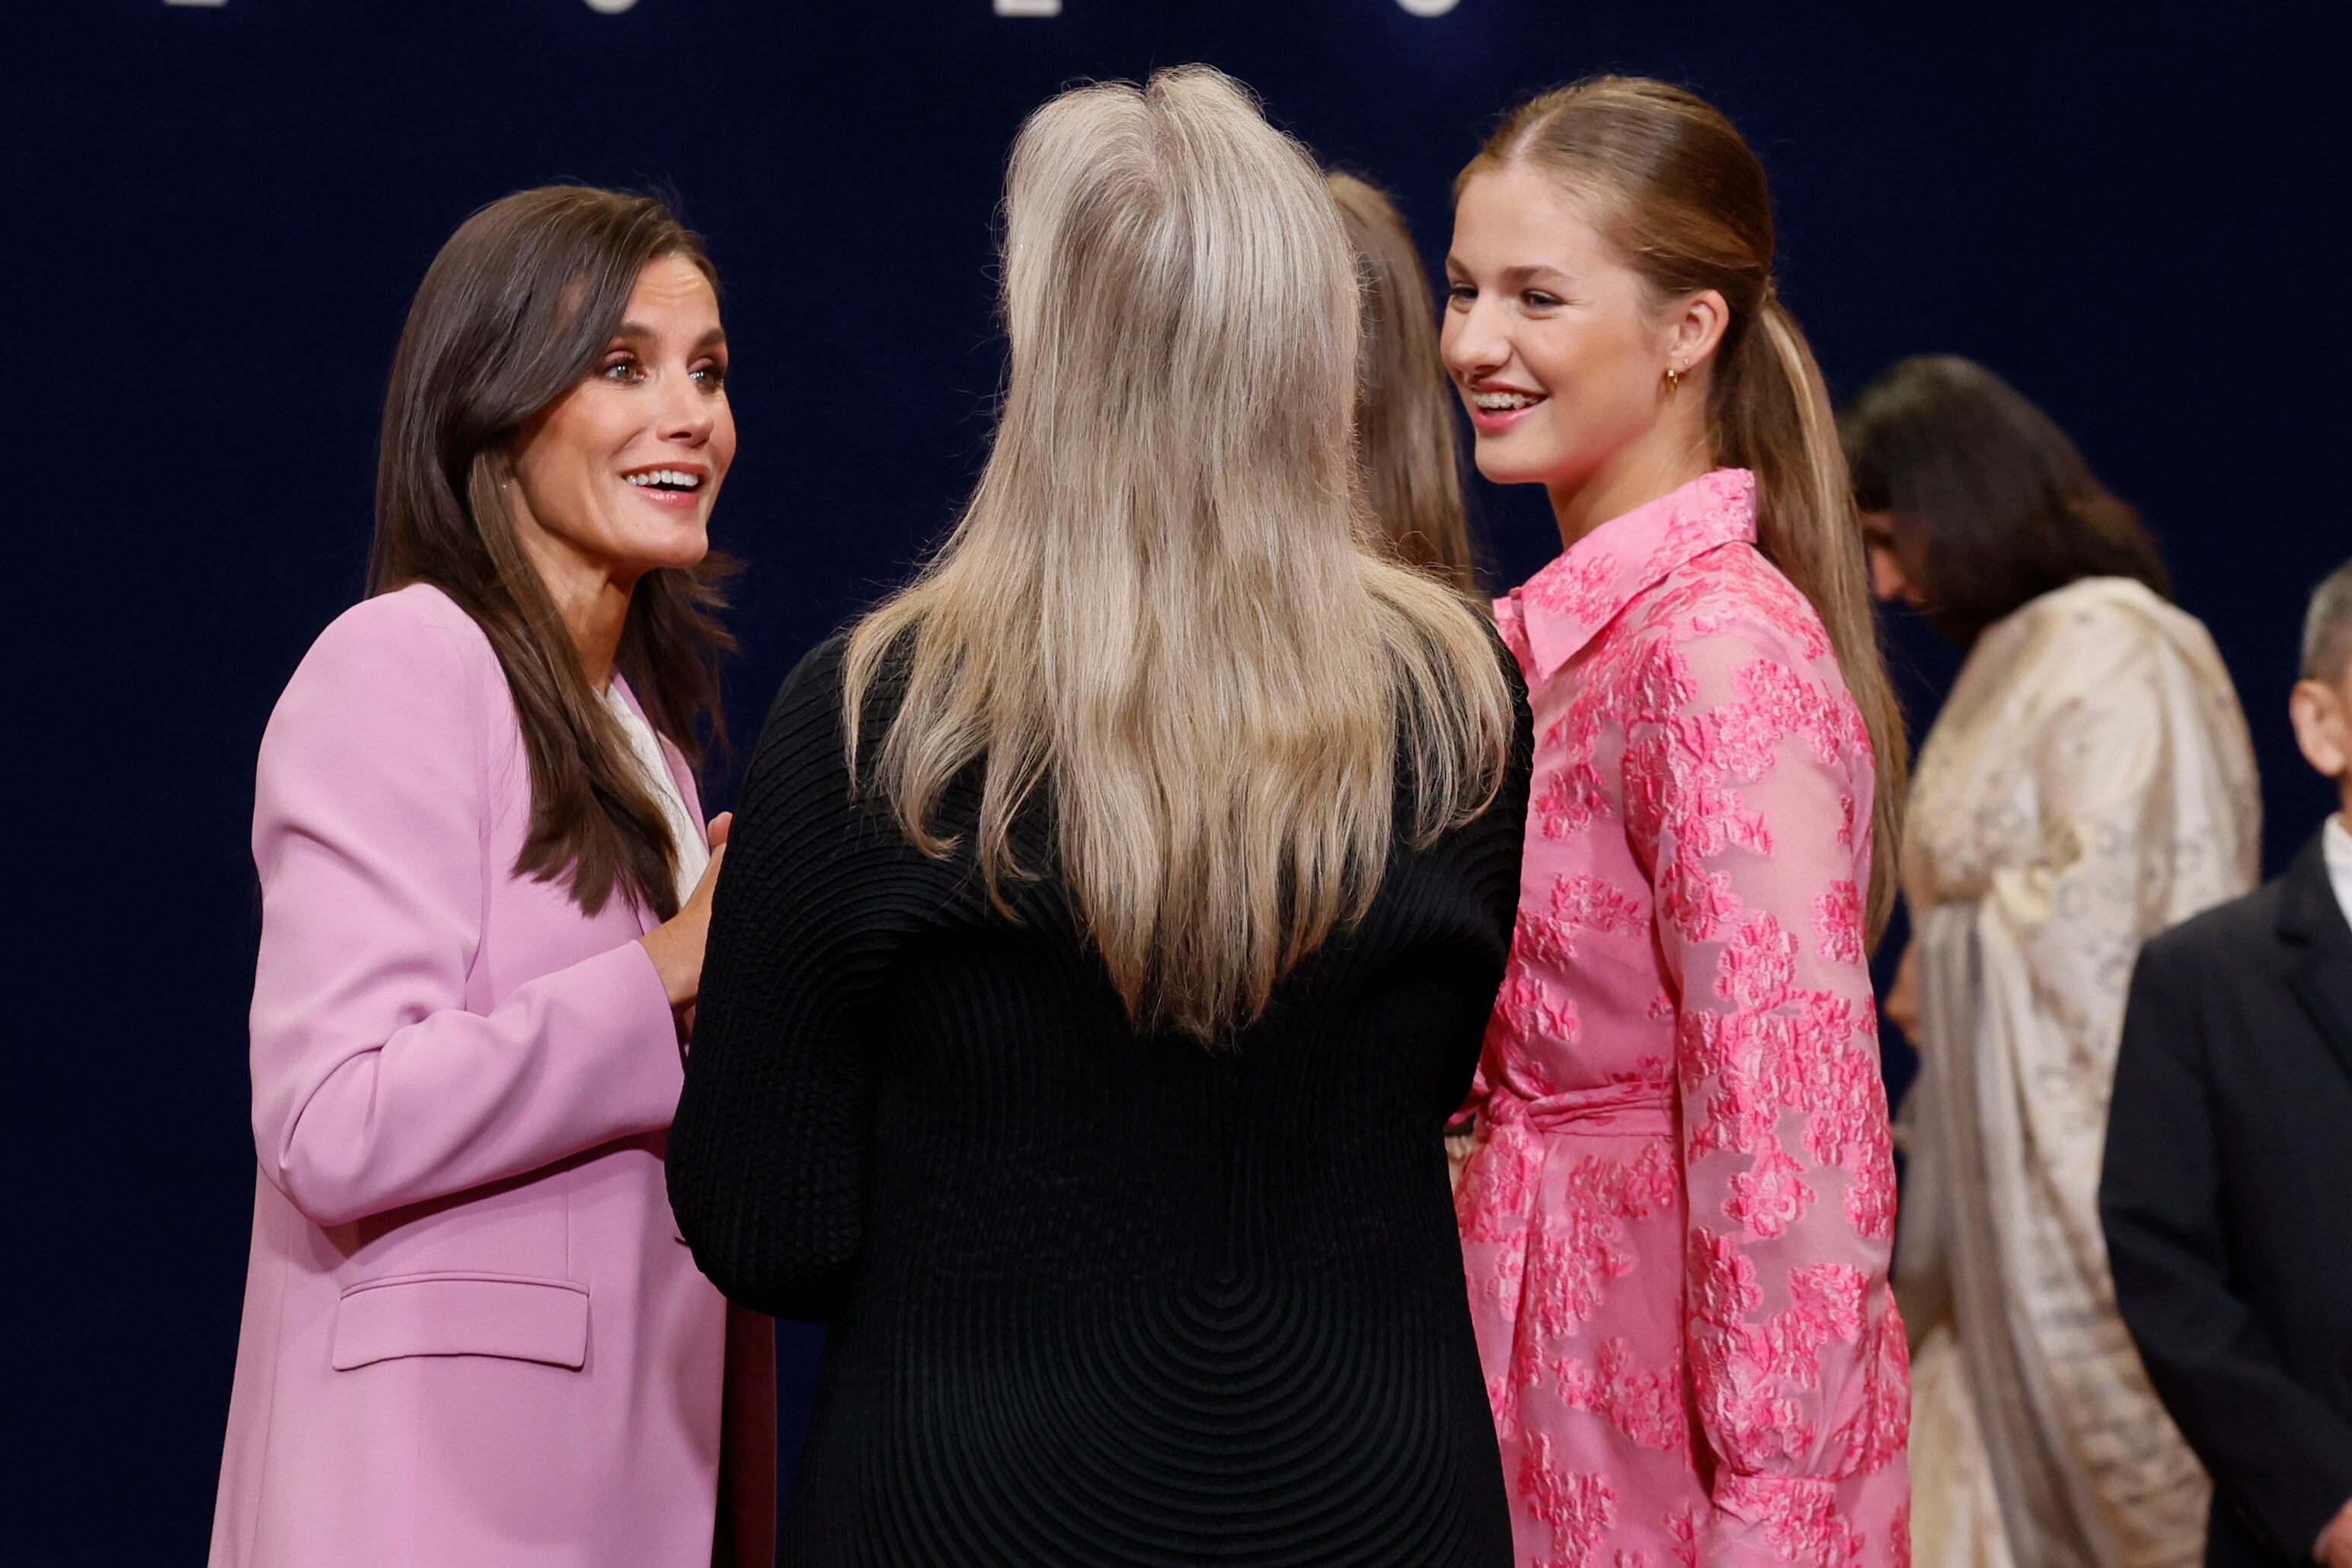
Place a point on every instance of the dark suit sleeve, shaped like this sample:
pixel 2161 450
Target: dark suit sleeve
pixel 767 1155
pixel 2278 1450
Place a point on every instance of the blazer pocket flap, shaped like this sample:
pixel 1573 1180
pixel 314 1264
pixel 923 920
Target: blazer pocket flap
pixel 509 1315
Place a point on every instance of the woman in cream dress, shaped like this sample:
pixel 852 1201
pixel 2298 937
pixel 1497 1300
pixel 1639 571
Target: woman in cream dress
pixel 2088 784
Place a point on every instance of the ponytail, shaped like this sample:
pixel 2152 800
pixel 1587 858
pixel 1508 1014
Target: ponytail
pixel 1685 202
pixel 1769 410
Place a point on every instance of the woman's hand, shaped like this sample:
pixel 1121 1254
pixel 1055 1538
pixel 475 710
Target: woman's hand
pixel 676 944
pixel 1459 1146
pixel 2334 1548
pixel 1902 1003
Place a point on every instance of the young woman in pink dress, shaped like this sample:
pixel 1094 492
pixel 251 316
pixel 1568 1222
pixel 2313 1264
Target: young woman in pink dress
pixel 1677 1218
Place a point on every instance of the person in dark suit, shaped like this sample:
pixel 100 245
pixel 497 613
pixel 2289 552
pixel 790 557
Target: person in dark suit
pixel 2229 1159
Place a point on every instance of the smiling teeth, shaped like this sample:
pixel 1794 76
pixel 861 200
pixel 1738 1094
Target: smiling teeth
pixel 1504 403
pixel 668 478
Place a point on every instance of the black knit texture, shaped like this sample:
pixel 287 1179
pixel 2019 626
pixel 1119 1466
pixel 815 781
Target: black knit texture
pixel 1096 1296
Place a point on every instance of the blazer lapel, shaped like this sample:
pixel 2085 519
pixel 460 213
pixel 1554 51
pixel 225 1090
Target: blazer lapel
pixel 2320 973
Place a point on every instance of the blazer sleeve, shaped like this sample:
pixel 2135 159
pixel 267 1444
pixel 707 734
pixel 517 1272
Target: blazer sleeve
pixel 374 1087
pixel 768 1161
pixel 1747 801
pixel 2273 1446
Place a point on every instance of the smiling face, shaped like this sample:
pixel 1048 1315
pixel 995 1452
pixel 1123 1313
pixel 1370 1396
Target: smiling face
pixel 617 476
pixel 1560 352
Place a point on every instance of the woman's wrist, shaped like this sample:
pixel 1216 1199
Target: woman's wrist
pixel 673 964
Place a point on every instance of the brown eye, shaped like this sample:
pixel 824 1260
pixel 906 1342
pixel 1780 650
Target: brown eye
pixel 622 369
pixel 711 377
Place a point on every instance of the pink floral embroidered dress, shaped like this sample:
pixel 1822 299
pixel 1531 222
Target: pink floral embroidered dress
pixel 1677 1219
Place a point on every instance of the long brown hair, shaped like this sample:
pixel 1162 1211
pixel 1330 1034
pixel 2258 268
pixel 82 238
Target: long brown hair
pixel 515 311
pixel 1406 443
pixel 1992 504
pixel 1665 177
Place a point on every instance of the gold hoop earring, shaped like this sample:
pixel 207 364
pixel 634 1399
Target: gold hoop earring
pixel 1673 379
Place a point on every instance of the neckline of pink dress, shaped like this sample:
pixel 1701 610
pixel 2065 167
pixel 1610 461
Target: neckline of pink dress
pixel 1549 619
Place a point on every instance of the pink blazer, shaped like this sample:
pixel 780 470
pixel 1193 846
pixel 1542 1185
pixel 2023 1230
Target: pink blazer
pixel 471 1334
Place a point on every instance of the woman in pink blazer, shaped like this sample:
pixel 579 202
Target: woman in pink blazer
pixel 471 1335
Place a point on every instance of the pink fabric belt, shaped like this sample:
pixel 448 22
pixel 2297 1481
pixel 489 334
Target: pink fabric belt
pixel 1610 1111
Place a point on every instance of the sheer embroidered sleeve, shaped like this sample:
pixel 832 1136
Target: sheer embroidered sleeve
pixel 1748 782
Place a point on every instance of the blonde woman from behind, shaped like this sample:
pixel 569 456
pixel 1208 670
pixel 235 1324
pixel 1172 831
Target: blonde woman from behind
pixel 1109 923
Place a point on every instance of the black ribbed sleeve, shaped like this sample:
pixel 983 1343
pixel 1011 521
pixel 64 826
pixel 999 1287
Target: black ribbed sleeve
pixel 767 1158
pixel 1096 1296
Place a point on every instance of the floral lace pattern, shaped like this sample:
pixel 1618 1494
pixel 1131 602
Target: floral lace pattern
pixel 1677 1220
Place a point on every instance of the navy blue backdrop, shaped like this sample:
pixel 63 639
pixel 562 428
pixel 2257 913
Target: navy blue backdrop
pixel 222 209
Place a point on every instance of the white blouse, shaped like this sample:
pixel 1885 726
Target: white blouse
pixel 691 836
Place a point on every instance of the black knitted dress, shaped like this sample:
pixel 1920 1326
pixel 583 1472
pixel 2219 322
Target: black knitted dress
pixel 1095 1297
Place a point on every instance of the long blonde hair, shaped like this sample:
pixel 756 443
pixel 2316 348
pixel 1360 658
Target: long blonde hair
pixel 1669 181
pixel 1406 442
pixel 1163 606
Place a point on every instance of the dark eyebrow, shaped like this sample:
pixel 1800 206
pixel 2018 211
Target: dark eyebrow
pixel 714 338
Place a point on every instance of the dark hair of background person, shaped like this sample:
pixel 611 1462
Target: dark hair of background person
pixel 1990 504
pixel 1406 441
pixel 1670 182
pixel 515 311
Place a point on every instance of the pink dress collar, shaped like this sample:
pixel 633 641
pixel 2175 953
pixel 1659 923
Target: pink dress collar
pixel 1549 619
